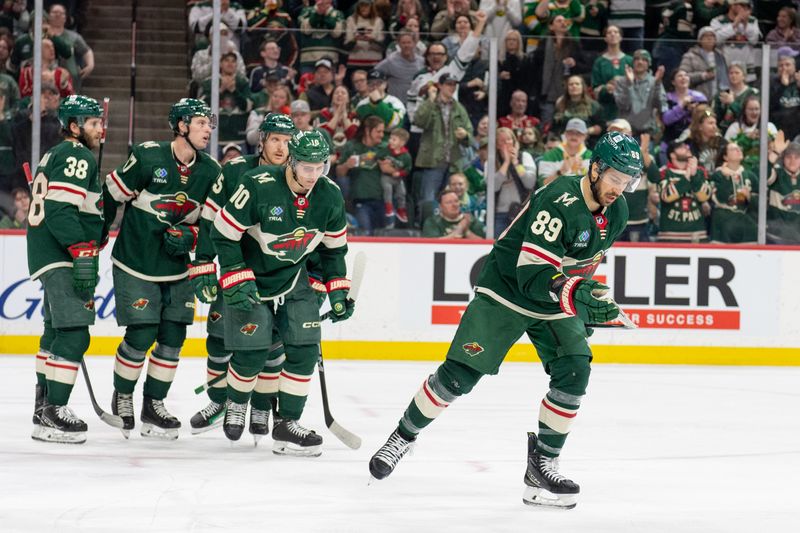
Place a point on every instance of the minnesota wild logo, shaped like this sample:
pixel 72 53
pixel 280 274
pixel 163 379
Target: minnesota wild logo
pixel 249 329
pixel 173 208
pixel 472 348
pixel 214 317
pixel 293 246
pixel 140 304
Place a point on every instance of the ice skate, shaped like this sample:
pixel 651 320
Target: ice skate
pixel 234 420
pixel 39 403
pixel 157 422
pixel 208 418
pixel 293 439
pixel 545 487
pixel 122 406
pixel 59 424
pixel 386 458
pixel 259 423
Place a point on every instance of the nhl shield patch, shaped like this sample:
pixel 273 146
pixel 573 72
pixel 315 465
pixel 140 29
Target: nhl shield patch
pixel 140 304
pixel 472 348
pixel 249 329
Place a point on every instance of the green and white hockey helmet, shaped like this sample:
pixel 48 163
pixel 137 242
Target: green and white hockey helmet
pixel 309 146
pixel 277 123
pixel 621 152
pixel 77 108
pixel 186 108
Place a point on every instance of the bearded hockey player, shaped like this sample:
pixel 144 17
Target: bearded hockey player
pixel 275 131
pixel 537 281
pixel 276 217
pixel 166 185
pixel 65 225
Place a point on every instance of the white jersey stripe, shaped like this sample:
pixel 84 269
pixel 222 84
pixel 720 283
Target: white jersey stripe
pixel 117 188
pixel 227 225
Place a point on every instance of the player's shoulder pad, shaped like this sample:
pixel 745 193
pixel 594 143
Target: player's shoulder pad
pixel 206 159
pixel 261 175
pixel 147 145
pixel 235 161
pixel 562 194
pixel 327 183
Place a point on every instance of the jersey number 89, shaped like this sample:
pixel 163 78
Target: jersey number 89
pixel 547 226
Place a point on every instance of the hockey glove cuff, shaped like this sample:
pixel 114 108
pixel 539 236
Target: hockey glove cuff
pixel 85 266
pixel 341 307
pixel 319 289
pixel 583 298
pixel 180 240
pixel 239 287
pixel 203 276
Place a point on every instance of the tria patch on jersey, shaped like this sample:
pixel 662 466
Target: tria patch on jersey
pixel 140 304
pixel 293 246
pixel 249 329
pixel 582 239
pixel 472 348
pixel 214 317
pixel 173 208
pixel 275 214
pixel 160 175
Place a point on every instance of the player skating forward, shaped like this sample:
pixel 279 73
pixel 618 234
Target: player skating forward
pixel 263 235
pixel 275 131
pixel 537 281
pixel 166 184
pixel 65 225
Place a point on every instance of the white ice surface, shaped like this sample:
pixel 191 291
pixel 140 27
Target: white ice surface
pixel 654 448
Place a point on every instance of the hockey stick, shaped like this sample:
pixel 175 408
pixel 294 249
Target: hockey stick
pixel 350 439
pixel 624 322
pixel 108 418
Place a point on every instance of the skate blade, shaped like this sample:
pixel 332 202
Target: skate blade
pixel 62 437
pixel 154 432
pixel 286 448
pixel 126 433
pixel 37 430
pixel 256 437
pixel 198 431
pixel 537 497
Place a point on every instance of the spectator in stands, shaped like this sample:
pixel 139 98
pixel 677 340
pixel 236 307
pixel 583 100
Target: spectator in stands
pixel 570 158
pixel 704 137
pixel 81 62
pixel 405 11
pixel 518 120
pixel 232 15
pixel 677 32
pixel 706 11
pixel 201 61
pixel 462 28
pixel 628 15
pixel 474 171
pixel 6 152
pixel 359 175
pixel 577 103
pixel 230 151
pixel 733 195
pixel 443 22
pixel 608 69
pixel 706 65
pixel 510 70
pixel 358 81
pixel 784 100
pixel 550 64
pixel 501 17
pixel 572 11
pixel 22 128
pixel 6 45
pixel 530 141
pixel 364 37
pixel 534 28
pixel 395 164
pixel 446 127
pixel 728 102
pixel 270 63
pixel 15 17
pixel 593 26
pixel 321 30
pixel 235 100
pixel 786 32
pixel 9 90
pixel 23 47
pixel 301 115
pixel 745 132
pixel 18 219
pixel 681 101
pixel 338 120
pixel 278 102
pixel 451 222
pixel 737 33
pixel 318 94
pixel 682 189
pixel 514 179
pixel 481 131
pixel 389 108
pixel 276 27
pixel 640 95
pixel 469 203
pixel 51 73
pixel 783 211
pixel 473 89
pixel 413 27
pixel 401 66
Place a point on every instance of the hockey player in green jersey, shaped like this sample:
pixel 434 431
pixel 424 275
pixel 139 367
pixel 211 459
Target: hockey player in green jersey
pixel 65 224
pixel 537 281
pixel 263 235
pixel 166 184
pixel 275 131
pixel 783 210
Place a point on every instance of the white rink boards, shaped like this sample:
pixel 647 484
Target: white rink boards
pixel 655 449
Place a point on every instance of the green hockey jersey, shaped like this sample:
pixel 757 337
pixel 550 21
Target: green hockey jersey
pixel 161 193
pixel 681 218
pixel 784 190
pixel 272 230
pixel 728 190
pixel 66 207
pixel 554 232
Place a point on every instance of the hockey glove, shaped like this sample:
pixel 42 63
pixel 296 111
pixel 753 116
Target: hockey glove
pixel 583 298
pixel 239 287
pixel 341 307
pixel 180 240
pixel 203 275
pixel 319 289
pixel 85 266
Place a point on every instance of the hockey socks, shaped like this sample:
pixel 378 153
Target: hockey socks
pixel 45 345
pixel 268 382
pixel 161 370
pixel 128 366
pixel 61 367
pixel 243 371
pixel 216 365
pixel 556 413
pixel 295 380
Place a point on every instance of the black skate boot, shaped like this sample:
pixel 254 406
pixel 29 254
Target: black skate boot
pixel 39 403
pixel 157 422
pixel 122 406
pixel 59 424
pixel 386 458
pixel 259 423
pixel 293 439
pixel 208 418
pixel 235 414
pixel 545 487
